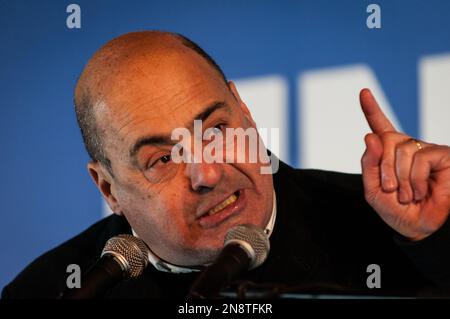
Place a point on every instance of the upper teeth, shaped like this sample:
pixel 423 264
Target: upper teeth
pixel 222 205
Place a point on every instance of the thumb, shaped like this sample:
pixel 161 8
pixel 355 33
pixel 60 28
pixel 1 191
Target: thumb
pixel 370 163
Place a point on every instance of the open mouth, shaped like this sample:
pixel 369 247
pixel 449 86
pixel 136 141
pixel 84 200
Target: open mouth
pixel 232 205
pixel 230 200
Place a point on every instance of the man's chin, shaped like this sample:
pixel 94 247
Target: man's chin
pixel 201 257
pixel 208 248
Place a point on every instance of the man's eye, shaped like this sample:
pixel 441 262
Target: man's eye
pixel 219 128
pixel 162 160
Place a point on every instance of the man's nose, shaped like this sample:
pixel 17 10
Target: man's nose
pixel 204 176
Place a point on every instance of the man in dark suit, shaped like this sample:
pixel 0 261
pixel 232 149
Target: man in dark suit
pixel 325 228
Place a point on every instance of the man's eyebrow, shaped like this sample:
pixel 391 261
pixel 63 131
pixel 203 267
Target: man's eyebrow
pixel 166 140
pixel 150 140
pixel 203 115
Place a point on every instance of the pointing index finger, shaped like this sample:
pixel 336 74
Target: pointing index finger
pixel 375 117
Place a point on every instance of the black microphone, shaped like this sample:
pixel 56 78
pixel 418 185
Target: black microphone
pixel 245 247
pixel 123 257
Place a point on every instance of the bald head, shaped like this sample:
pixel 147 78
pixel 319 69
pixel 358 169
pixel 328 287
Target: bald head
pixel 113 66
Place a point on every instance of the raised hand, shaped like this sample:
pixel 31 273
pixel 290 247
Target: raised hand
pixel 406 181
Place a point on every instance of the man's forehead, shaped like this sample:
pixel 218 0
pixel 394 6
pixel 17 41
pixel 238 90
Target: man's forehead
pixel 146 55
pixel 166 99
pixel 143 113
pixel 154 71
pixel 160 89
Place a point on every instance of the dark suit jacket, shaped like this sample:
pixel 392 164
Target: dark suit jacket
pixel 324 238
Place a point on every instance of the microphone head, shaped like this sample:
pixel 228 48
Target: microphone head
pixel 252 239
pixel 131 252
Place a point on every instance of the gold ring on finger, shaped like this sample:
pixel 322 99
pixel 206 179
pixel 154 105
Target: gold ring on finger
pixel 418 144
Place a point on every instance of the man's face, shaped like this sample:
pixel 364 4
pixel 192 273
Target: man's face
pixel 178 209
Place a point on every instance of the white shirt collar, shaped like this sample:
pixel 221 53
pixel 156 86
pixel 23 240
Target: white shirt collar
pixel 165 266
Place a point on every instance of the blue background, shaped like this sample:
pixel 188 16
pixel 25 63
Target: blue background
pixel 46 195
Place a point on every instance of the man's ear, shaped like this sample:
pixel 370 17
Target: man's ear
pixel 103 179
pixel 242 105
